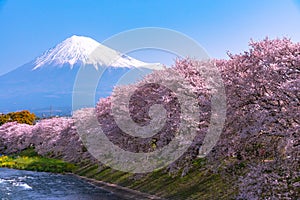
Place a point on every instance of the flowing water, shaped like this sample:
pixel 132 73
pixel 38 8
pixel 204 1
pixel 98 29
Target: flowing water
pixel 25 185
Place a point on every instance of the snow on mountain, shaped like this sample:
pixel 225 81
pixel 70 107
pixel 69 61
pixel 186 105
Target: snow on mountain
pixel 84 50
pixel 48 81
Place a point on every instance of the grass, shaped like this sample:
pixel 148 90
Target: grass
pixel 200 183
pixel 30 160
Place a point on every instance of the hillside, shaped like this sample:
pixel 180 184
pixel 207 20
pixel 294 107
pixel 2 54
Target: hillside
pixel 45 85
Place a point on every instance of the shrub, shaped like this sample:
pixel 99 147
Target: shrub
pixel 22 117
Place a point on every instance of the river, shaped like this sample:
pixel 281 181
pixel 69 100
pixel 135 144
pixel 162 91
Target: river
pixel 27 185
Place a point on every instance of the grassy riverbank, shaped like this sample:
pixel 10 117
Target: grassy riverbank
pixel 30 160
pixel 200 183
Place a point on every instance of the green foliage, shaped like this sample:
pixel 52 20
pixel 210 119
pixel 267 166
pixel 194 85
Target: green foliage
pixel 29 152
pixel 30 160
pixel 153 143
pixel 24 117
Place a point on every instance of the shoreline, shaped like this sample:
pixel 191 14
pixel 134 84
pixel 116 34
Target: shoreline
pixel 123 192
pixel 124 185
pixel 29 160
pixel 118 190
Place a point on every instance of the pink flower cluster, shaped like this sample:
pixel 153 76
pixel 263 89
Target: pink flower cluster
pixel 56 137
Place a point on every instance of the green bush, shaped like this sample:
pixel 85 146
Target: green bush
pixel 29 160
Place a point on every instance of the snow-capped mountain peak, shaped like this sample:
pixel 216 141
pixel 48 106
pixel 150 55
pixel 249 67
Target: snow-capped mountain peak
pixel 84 50
pixel 72 50
pixel 48 81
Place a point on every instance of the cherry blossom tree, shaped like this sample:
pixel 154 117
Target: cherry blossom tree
pixel 261 131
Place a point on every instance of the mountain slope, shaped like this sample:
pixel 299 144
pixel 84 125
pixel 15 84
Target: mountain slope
pixel 84 50
pixel 45 84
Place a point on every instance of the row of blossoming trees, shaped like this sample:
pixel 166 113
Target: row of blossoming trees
pixel 261 129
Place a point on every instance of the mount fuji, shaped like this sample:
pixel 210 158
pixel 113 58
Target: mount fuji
pixel 45 85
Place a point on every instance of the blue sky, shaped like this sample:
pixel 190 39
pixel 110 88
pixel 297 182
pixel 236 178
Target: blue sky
pixel 30 27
